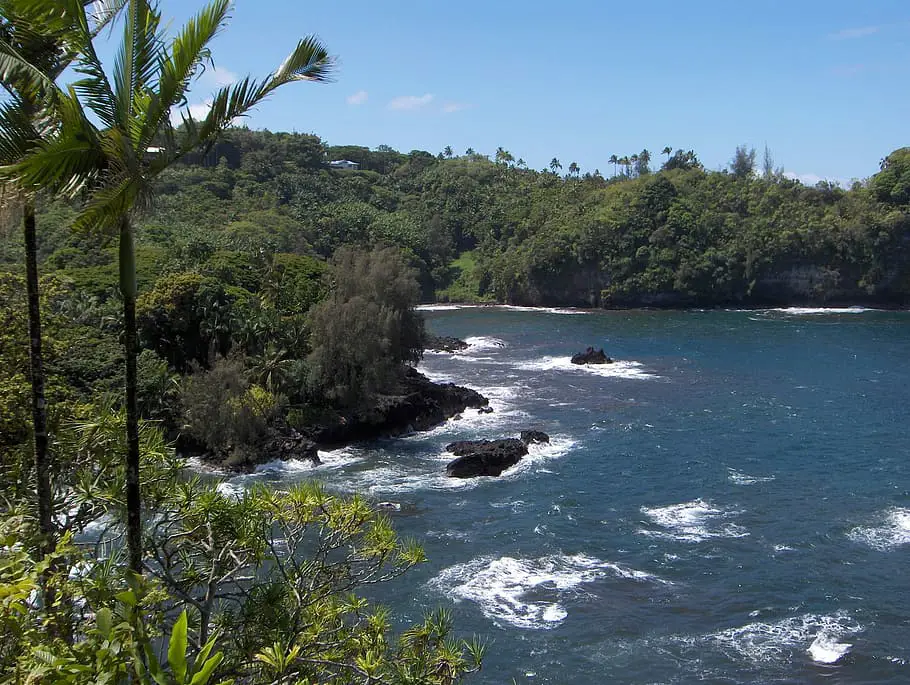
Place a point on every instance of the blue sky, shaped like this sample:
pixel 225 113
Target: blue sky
pixel 824 84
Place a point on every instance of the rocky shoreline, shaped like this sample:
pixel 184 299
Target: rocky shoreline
pixel 418 405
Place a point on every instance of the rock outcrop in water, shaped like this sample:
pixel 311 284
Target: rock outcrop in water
pixel 490 457
pixel 591 356
pixel 530 437
pixel 292 445
pixel 484 457
pixel 418 405
pixel 441 343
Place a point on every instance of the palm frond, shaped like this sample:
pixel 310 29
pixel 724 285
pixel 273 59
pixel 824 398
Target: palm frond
pixel 187 52
pixel 18 74
pixel 104 12
pixel 65 161
pixel 17 134
pixel 95 87
pixel 228 104
pixel 109 203
pixel 136 63
pixel 309 61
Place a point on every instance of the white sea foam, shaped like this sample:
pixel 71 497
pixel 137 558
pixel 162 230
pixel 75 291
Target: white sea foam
pixel 692 522
pixel 428 473
pixel 618 369
pixel 740 478
pixel 506 307
pixel 825 649
pixel 893 531
pixel 230 489
pixel 476 343
pixel 439 307
pixel 819 635
pixel 544 310
pixel 500 587
pixel 804 311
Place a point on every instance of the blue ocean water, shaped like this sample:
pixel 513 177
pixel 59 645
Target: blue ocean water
pixel 727 503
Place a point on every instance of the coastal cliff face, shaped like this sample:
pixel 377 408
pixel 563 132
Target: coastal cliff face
pixel 799 284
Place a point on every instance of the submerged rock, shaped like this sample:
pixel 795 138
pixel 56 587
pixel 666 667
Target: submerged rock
pixel 529 437
pixel 441 343
pixel 484 457
pixel 591 356
pixel 485 410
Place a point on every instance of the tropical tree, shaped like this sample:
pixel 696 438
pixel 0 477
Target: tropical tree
pixel 643 163
pixel 624 163
pixel 666 151
pixel 555 165
pixel 743 163
pixel 614 160
pixel 447 152
pixel 111 125
pixel 574 169
pixel 34 52
pixel 503 156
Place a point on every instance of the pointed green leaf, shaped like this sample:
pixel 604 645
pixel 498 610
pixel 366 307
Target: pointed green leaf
pixel 205 673
pixel 176 651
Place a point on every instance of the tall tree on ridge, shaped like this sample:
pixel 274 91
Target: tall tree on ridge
pixel 555 165
pixel 151 77
pixel 666 151
pixel 614 160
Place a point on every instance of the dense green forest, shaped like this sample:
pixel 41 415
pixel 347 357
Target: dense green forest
pixel 260 203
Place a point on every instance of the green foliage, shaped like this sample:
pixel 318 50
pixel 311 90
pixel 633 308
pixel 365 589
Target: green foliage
pixel 186 319
pixel 367 327
pixel 892 183
pixel 226 414
pixel 254 589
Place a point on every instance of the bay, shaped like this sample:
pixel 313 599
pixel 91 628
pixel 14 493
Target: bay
pixel 729 502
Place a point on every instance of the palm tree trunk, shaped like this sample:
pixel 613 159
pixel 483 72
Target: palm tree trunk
pixel 133 498
pixel 39 403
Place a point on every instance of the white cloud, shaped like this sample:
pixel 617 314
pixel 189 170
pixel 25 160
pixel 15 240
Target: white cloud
pixel 221 76
pixel 813 179
pixel 410 102
pixel 859 32
pixel 450 107
pixel 198 111
pixel 358 98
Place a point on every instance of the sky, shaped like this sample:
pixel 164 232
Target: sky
pixel 822 84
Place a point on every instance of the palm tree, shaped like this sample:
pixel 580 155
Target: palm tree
pixel 624 163
pixel 614 160
pixel 447 152
pixel 574 169
pixel 666 151
pixel 554 165
pixel 133 110
pixel 33 50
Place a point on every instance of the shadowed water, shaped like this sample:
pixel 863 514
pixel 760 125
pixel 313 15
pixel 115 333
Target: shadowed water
pixel 728 503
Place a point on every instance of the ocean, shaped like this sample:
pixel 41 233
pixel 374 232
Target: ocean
pixel 728 502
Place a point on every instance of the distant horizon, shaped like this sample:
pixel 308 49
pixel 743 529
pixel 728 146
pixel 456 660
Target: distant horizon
pixel 818 82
